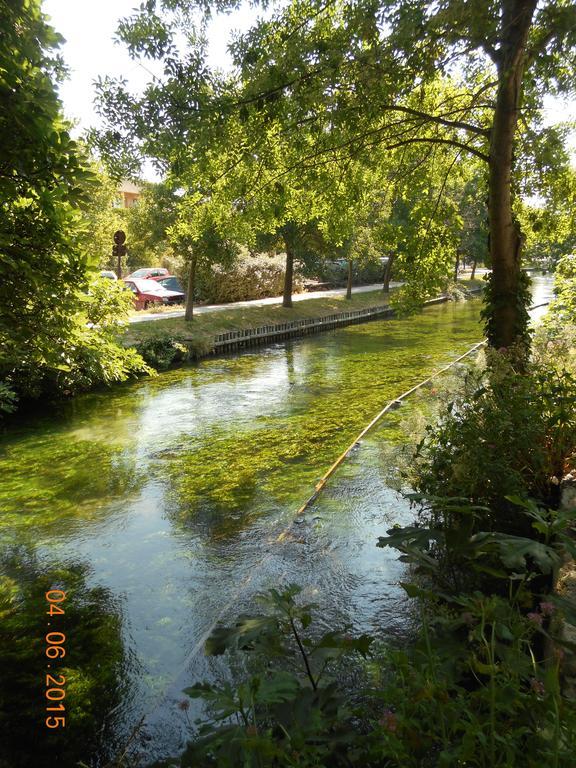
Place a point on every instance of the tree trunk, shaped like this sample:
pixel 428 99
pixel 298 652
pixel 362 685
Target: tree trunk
pixel 456 267
pixel 388 274
pixel 349 281
pixel 473 273
pixel 189 313
pixel 505 322
pixel 289 274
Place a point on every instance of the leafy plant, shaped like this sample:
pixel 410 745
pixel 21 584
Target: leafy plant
pixel 162 351
pixel 505 434
pixel 56 326
pixel 470 691
pixel 278 717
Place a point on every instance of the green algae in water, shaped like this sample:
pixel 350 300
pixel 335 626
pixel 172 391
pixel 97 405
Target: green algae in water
pixel 333 392
pixel 332 385
pixel 212 449
pixel 232 465
pixel 49 481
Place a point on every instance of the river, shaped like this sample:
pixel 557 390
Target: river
pixel 163 506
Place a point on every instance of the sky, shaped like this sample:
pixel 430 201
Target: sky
pixel 90 51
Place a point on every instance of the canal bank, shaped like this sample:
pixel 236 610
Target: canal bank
pixel 164 342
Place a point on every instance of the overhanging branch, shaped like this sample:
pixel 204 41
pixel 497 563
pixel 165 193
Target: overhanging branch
pixel 437 119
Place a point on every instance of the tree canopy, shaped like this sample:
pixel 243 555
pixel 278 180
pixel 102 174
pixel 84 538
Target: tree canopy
pixel 331 81
pixel 45 295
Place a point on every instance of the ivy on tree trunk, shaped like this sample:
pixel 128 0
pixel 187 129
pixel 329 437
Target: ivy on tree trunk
pixel 507 318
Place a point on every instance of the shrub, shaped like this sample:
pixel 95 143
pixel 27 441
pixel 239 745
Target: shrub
pixel 504 434
pixel 336 272
pixel 85 355
pixel 162 351
pixel 251 277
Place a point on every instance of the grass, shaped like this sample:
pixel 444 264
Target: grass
pixel 199 334
pixel 205 326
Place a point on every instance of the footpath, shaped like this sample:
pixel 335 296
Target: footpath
pixel 143 317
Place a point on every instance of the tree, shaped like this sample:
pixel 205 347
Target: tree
pixel 564 303
pixel 203 236
pixel 147 225
pixel 550 222
pixel 337 64
pixel 472 209
pixel 44 181
pixel 334 80
pixel 417 223
pixel 101 217
pixel 355 205
pixel 42 177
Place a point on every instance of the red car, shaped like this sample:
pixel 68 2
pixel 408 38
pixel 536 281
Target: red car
pixel 149 292
pixel 147 272
pixel 170 282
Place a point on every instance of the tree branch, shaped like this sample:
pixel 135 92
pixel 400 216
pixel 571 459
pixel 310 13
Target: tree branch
pixel 437 119
pixel 433 140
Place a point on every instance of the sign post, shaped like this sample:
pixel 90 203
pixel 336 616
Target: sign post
pixel 119 250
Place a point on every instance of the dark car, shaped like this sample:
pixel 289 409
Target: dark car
pixel 147 272
pixel 170 282
pixel 149 292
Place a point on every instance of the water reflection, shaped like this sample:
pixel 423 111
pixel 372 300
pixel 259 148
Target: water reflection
pixel 96 667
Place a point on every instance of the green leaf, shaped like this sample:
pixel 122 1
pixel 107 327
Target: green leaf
pixel 242 636
pixel 277 688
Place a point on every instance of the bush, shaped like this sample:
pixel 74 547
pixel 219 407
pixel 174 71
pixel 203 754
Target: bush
pixel 85 355
pixel 162 351
pixel 336 273
pixel 251 277
pixel 504 434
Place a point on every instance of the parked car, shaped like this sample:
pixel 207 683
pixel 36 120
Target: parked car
pixel 170 282
pixel 146 272
pixel 108 273
pixel 149 292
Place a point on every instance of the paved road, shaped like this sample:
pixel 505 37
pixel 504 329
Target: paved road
pixel 144 317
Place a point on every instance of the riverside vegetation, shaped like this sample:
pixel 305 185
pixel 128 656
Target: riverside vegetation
pixel 165 342
pixel 482 684
pixel 172 340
